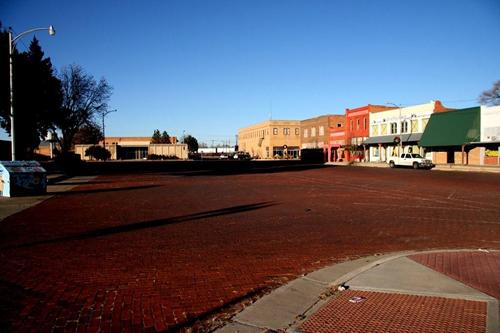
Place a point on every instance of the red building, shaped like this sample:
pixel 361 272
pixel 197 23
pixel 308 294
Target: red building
pixel 357 127
pixel 336 143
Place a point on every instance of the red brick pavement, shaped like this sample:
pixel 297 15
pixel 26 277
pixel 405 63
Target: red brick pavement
pixel 384 312
pixel 479 270
pixel 157 251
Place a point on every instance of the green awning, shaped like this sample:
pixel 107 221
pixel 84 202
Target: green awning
pixel 452 128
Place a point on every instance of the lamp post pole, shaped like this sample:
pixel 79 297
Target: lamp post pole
pixel 12 45
pixel 104 114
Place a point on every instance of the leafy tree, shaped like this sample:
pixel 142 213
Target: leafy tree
pixel 156 138
pixel 491 96
pixel 82 98
pixel 165 138
pixel 98 153
pixel 88 134
pixel 37 95
pixel 191 142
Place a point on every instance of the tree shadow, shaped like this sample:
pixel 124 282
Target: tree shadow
pixel 228 168
pixel 102 190
pixel 146 225
pixel 12 302
pixel 198 167
pixel 83 182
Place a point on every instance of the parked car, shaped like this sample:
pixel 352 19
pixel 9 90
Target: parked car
pixel 411 160
pixel 243 156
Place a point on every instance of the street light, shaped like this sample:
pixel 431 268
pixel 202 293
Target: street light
pixel 104 114
pixel 12 46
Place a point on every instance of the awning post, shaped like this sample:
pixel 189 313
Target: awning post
pixel 463 150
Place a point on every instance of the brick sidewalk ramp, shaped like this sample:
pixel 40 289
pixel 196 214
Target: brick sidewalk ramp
pixel 395 313
pixel 411 294
pixel 148 252
pixel 479 270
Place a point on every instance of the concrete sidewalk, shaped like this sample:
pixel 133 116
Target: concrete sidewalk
pixel 57 183
pixel 437 291
pixel 438 167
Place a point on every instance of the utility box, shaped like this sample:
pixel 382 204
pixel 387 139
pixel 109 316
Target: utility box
pixel 19 178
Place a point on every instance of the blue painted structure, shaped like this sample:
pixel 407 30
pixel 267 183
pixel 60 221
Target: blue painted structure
pixel 22 178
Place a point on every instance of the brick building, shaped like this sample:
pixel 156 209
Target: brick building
pixel 316 133
pixel 271 139
pixel 357 130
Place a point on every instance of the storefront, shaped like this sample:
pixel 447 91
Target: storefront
pixel 453 136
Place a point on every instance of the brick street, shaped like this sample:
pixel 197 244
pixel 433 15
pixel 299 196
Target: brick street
pixel 160 251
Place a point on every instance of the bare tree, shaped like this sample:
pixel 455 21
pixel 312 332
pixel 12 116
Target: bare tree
pixel 491 96
pixel 82 98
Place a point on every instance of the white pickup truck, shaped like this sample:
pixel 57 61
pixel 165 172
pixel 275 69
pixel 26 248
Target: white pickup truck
pixel 410 160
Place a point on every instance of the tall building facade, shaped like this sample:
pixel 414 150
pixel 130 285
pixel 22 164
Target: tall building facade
pixel 271 139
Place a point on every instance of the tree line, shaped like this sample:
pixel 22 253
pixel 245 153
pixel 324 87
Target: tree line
pixel 67 102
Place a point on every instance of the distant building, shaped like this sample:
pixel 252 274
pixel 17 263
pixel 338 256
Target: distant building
pixel 137 148
pixel 271 139
pixel 315 131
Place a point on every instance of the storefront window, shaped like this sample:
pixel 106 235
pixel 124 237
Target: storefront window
pixel 404 127
pixel 414 126
pixel 394 128
pixel 383 129
pixel 424 123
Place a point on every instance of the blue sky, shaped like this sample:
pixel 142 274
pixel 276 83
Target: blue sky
pixel 211 67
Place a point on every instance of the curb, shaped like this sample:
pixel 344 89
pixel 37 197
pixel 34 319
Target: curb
pixel 285 308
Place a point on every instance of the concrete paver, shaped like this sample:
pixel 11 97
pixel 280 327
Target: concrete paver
pixel 406 276
pixel 480 270
pixel 11 206
pixel 282 306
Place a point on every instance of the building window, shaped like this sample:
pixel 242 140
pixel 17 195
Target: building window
pixel 424 123
pixel 357 124
pixel 275 131
pixel 321 130
pixel 306 133
pixel 364 123
pixel 374 129
pixel 286 131
pixel 297 131
pixel 414 126
pixel 277 152
pixel 339 124
pixel 351 125
pixel 394 128
pixel 404 127
pixel 383 129
pixel 313 131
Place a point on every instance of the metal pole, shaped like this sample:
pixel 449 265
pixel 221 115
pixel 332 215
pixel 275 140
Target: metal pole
pixel 12 42
pixel 11 88
pixel 103 132
pixel 104 114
